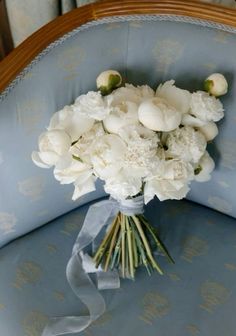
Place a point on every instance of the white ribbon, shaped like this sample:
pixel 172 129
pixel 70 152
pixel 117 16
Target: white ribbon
pixel 80 264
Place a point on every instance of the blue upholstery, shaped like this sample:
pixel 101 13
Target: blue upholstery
pixel 196 296
pixel 30 196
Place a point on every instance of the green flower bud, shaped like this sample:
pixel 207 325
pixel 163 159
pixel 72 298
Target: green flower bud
pixel 108 81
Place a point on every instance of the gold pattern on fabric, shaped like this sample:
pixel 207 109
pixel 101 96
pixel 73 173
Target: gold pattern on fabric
pixel 72 224
pixel 7 223
pixel 155 305
pixel 59 296
pixel 27 273
pixel 230 267
pixel 213 295
pixel 193 246
pixel 193 329
pixel 32 187
pixel 166 53
pixel 34 323
pixel 51 248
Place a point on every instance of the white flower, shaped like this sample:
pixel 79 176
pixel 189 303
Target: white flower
pixel 80 174
pixel 141 151
pixel 216 84
pixel 206 107
pixel 186 143
pixel 132 93
pixel 204 168
pixel 178 98
pixel 124 113
pixel 81 149
pixel 191 120
pixel 157 115
pixel 169 181
pixel 75 124
pixel 209 130
pixel 108 80
pixel 92 105
pixel 123 185
pixel 53 145
pixel 68 170
pixel 107 155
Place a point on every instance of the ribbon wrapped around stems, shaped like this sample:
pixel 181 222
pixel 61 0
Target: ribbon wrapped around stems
pixel 80 264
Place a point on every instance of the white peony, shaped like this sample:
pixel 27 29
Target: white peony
pixel 81 149
pixel 123 185
pixel 206 107
pixel 141 151
pixel 131 93
pixel 204 168
pixel 186 143
pixel 191 120
pixel 122 114
pixel 75 124
pixel 216 84
pixel 178 98
pixel 92 105
pixel 209 130
pixel 53 145
pixel 157 115
pixel 169 180
pixel 107 155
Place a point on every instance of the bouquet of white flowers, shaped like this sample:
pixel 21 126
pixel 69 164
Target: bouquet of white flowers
pixel 142 143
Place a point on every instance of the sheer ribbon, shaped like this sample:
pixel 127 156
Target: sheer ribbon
pixel 80 265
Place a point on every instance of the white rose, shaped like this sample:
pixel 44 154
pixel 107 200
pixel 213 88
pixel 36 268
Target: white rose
pixel 107 155
pixel 75 124
pixel 53 145
pixel 92 105
pixel 123 185
pixel 169 181
pixel 206 107
pixel 204 168
pixel 216 84
pixel 124 113
pixel 209 130
pixel 157 115
pixel 178 98
pixel 186 143
pixel 108 80
pixel 132 93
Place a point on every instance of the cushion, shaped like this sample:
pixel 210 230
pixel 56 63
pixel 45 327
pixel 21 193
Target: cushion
pixel 30 197
pixel 193 297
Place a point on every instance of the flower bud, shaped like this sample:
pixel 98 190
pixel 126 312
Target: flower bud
pixel 108 80
pixel 216 84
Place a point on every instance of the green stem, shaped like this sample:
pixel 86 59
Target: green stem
pixel 157 240
pixel 130 251
pixel 146 245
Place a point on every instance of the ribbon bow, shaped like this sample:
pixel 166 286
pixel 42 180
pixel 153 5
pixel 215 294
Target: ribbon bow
pixel 80 264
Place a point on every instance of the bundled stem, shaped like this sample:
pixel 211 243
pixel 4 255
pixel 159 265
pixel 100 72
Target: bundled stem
pixel 126 246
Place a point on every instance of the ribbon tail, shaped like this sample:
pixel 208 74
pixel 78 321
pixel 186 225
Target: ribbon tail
pixel 80 282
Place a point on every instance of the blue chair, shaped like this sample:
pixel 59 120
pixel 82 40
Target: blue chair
pixel 148 42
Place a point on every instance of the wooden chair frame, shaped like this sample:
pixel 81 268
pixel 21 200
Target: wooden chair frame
pixel 21 56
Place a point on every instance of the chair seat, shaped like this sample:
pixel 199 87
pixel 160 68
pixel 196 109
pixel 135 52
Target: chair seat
pixel 193 297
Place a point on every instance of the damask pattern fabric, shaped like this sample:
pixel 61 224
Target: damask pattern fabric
pixel 196 296
pixel 27 16
pixel 31 197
